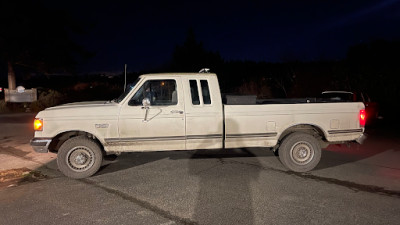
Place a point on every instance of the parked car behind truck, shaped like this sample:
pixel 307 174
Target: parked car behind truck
pixel 371 107
pixel 184 111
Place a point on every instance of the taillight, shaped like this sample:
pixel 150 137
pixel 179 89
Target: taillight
pixel 38 125
pixel 363 118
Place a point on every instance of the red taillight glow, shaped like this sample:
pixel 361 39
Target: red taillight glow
pixel 363 118
pixel 38 125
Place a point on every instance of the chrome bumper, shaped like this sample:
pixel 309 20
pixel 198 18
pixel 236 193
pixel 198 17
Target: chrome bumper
pixel 40 145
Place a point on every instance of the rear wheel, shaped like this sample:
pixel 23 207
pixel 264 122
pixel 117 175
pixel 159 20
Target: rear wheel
pixel 300 152
pixel 79 157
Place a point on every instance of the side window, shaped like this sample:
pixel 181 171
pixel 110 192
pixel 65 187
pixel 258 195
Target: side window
pixel 206 92
pixel 159 92
pixel 194 92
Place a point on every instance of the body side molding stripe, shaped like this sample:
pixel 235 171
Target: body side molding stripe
pixel 252 135
pixel 166 138
pixel 209 136
pixel 344 131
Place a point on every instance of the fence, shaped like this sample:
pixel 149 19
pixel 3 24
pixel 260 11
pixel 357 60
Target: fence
pixel 20 95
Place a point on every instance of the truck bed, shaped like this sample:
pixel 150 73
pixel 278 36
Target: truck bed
pixel 252 100
pixel 339 121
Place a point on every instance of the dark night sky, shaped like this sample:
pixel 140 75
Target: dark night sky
pixel 144 34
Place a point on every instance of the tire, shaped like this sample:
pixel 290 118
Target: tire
pixel 79 157
pixel 300 152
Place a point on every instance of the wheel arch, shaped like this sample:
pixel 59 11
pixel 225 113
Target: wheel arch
pixel 60 138
pixel 312 129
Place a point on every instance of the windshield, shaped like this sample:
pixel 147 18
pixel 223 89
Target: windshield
pixel 128 89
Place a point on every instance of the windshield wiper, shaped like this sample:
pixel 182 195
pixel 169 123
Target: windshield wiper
pixel 111 101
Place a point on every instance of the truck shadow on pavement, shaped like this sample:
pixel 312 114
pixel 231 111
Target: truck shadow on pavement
pixel 134 159
pixel 225 180
pixel 222 189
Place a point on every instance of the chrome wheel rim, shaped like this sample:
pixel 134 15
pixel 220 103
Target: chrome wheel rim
pixel 80 158
pixel 302 153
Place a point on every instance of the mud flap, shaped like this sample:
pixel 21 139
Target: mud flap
pixel 361 139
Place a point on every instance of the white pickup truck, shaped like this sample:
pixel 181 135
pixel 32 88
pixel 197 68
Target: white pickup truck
pixel 185 111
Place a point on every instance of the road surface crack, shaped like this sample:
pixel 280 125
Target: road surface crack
pixel 142 203
pixel 348 184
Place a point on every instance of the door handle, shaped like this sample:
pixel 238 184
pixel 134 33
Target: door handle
pixel 177 111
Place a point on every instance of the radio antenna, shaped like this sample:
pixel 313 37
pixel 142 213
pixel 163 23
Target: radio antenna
pixel 125 78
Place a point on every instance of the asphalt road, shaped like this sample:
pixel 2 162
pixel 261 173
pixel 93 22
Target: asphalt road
pixel 359 184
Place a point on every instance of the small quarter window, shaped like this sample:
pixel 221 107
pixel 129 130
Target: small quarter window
pixel 194 92
pixel 206 92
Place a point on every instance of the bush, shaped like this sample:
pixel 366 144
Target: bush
pixel 3 107
pixel 47 99
pixel 7 107
pixel 260 89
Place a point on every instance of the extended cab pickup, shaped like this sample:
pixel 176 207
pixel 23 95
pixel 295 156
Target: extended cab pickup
pixel 185 111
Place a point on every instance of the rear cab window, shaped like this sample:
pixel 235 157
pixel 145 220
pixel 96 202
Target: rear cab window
pixel 200 98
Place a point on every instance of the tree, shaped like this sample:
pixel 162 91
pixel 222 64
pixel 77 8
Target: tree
pixel 191 56
pixel 374 68
pixel 38 38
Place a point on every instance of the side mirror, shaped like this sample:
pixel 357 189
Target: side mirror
pixel 146 102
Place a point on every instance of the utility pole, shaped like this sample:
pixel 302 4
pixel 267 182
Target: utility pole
pixel 11 77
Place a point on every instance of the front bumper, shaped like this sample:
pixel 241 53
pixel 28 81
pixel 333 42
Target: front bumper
pixel 40 145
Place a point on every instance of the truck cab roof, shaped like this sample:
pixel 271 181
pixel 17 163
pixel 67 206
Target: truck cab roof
pixel 178 74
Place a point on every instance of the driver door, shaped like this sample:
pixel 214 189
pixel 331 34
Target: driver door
pixel 161 125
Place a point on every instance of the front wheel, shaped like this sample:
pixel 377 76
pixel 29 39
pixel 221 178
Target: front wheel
pixel 79 157
pixel 300 152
